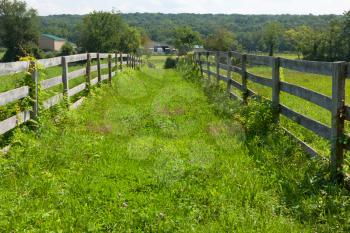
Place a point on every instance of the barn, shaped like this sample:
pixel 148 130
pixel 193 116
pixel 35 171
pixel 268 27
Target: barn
pixel 49 42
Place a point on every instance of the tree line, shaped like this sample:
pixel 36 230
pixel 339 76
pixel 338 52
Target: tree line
pixel 21 27
pixel 324 37
pixel 329 43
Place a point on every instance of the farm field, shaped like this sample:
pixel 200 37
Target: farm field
pixel 318 83
pixel 157 157
pixel 284 55
pixel 13 81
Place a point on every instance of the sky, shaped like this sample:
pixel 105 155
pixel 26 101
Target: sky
pixel 317 7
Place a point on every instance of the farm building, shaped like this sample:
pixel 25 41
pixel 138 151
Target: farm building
pixel 198 48
pixel 49 42
pixel 160 48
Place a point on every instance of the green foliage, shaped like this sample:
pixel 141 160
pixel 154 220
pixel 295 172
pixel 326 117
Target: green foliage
pixel 52 54
pixel 101 32
pixel 301 39
pixel 19 31
pixel 64 26
pixel 131 40
pixel 160 27
pixel 185 39
pixel 170 63
pixel 271 36
pixel 67 49
pixel 247 28
pixel 329 44
pixel 108 32
pixel 222 40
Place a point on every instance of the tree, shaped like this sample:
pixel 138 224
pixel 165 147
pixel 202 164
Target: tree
pixel 101 32
pixel 67 49
pixel 300 39
pixel 272 33
pixel 346 34
pixel 19 29
pixel 222 40
pixel 131 40
pixel 185 39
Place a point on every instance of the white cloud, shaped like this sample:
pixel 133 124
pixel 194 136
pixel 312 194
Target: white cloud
pixel 46 7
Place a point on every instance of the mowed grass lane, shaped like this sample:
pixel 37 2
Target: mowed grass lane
pixel 146 155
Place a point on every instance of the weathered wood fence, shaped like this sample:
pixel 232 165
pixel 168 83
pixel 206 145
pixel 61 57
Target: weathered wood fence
pixel 339 71
pixel 115 63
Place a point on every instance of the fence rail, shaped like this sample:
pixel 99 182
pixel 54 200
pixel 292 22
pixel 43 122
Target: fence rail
pixel 339 71
pixel 115 63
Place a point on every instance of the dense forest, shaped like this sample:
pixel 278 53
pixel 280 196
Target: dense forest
pixel 160 27
pixel 312 37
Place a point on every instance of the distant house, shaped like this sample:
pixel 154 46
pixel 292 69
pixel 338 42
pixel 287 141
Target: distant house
pixel 49 42
pixel 199 48
pixel 160 48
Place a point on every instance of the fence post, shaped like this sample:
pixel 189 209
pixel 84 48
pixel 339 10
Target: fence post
pixel 88 72
pixel 337 131
pixel 121 61
pixel 131 62
pixel 276 88
pixel 109 68
pixel 229 71
pixel 218 66
pixel 116 63
pixel 35 91
pixel 200 63
pixel 65 80
pixel 244 78
pixel 208 67
pixel 99 76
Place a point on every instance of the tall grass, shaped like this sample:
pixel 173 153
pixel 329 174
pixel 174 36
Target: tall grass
pixel 156 153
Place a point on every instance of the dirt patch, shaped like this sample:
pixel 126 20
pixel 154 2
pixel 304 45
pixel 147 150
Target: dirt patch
pixel 173 112
pixel 216 129
pixel 100 129
pixel 219 128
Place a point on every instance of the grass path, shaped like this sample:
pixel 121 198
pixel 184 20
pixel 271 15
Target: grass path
pixel 147 155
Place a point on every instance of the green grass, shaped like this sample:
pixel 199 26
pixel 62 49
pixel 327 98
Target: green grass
pixel 319 83
pixel 288 55
pixel 13 81
pixel 151 154
pixel 158 60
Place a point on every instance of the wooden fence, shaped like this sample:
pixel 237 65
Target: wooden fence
pixel 114 63
pixel 339 71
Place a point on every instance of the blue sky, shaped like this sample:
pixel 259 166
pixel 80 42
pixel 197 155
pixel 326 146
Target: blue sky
pixel 47 7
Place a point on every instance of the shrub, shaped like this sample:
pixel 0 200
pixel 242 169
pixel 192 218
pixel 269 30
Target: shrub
pixel 170 63
pixel 51 54
pixel 67 49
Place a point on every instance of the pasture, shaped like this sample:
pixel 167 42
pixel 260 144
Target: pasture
pixel 318 83
pixel 157 157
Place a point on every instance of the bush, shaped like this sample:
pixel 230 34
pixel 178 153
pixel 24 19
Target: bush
pixel 170 63
pixel 51 54
pixel 67 49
